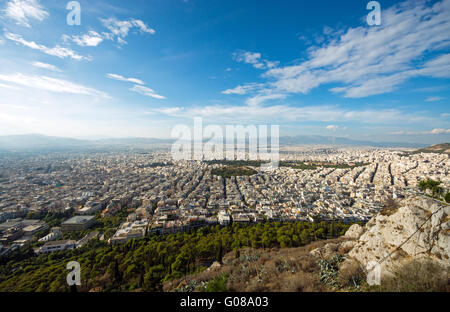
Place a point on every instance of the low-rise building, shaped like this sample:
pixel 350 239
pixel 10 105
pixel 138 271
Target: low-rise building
pixel 77 223
pixel 54 234
pixel 57 246
pixel 224 218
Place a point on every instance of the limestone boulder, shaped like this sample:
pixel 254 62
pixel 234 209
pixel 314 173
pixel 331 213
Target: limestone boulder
pixel 354 232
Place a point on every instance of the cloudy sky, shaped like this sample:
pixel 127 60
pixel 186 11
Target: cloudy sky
pixel 137 68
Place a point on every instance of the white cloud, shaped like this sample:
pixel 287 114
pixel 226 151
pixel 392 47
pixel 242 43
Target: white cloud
pixel 120 29
pixel 271 64
pixel 332 127
pixel 51 84
pixel 237 90
pixel 440 131
pixel 285 113
pixel 260 92
pixel 432 89
pixel 431 132
pixel 401 132
pixel 91 39
pixel 248 57
pixel 121 41
pixel 335 128
pixel 368 60
pixel 254 59
pixel 243 89
pixel 147 92
pixel 23 10
pixel 141 25
pixel 433 99
pixel 261 98
pixel 121 78
pixel 169 111
pixel 445 115
pixel 56 51
pixel 46 66
pixel 138 87
pixel 8 87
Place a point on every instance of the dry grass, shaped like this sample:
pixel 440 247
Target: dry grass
pixel 345 248
pixel 351 275
pixel 417 276
pixel 259 270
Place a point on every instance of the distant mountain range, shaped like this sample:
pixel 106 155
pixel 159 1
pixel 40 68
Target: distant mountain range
pixel 36 142
pixel 326 140
pixel 438 148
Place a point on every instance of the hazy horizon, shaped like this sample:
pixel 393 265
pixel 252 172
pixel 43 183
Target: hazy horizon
pixel 298 140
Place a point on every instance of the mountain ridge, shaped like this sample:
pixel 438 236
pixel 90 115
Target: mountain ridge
pixel 443 148
pixel 38 141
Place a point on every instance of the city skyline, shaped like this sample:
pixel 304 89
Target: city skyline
pixel 137 69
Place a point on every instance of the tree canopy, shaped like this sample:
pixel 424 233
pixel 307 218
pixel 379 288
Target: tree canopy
pixel 146 263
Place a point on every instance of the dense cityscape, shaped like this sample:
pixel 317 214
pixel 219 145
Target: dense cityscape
pixel 153 194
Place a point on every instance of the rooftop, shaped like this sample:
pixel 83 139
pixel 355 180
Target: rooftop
pixel 79 220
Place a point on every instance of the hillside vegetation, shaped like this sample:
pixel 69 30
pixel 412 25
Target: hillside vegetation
pixel 145 264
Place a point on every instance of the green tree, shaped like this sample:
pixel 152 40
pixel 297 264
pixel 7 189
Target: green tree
pixel 304 237
pixel 179 267
pixel 431 185
pixel 320 233
pixel 423 186
pixel 219 255
pixel 116 273
pixel 152 279
pixel 437 190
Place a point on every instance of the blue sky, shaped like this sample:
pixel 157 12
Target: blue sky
pixel 138 68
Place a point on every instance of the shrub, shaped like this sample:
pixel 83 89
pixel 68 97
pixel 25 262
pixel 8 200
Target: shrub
pixel 418 276
pixel 389 208
pixel 218 284
pixel 351 274
pixel 447 197
pixel 329 270
pixel 301 282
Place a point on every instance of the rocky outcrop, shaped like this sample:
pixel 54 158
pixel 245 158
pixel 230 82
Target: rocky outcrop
pixel 354 232
pixel 419 228
pixel 325 251
pixel 214 267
